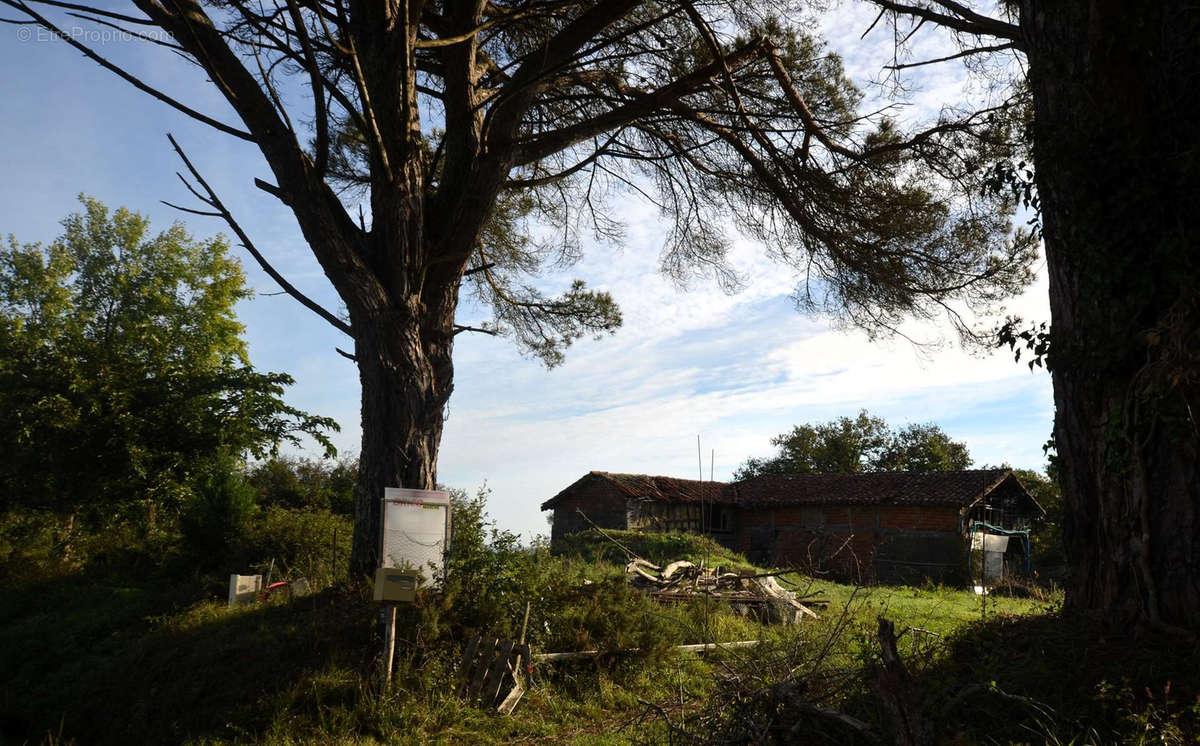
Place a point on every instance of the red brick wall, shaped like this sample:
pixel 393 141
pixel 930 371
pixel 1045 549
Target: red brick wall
pixel 840 539
pixel 600 501
pixel 919 517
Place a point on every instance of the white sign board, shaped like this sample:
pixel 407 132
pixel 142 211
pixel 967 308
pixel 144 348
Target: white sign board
pixel 416 528
pixel 244 589
pixel 989 542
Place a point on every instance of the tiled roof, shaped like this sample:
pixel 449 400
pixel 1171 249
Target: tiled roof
pixel 645 487
pixel 880 488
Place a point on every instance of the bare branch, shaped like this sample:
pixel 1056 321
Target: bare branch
pixel 129 77
pixel 273 190
pixel 314 73
pixel 96 11
pixel 181 208
pixel 291 290
pixel 459 328
pixel 965 21
pixel 959 55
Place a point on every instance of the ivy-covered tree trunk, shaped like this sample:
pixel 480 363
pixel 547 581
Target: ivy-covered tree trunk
pixel 1117 148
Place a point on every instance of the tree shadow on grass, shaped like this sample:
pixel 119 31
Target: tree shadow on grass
pixel 93 661
pixel 1062 678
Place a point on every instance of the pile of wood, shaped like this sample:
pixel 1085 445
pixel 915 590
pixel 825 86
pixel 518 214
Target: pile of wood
pixel 491 673
pixel 749 593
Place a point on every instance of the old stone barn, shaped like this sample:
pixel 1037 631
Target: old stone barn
pixel 887 527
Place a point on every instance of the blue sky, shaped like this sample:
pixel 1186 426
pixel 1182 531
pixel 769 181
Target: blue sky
pixel 735 369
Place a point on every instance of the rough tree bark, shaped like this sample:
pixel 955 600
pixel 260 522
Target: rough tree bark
pixel 1117 148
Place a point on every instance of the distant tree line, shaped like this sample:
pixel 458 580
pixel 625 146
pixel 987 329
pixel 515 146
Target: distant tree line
pixel 861 444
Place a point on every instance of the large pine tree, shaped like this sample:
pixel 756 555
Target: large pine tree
pixel 453 123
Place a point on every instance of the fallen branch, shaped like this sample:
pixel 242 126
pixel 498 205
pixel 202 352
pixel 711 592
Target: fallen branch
pixel 696 648
pixel 791 695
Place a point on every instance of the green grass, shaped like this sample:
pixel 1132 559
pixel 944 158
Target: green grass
pixel 103 657
pixel 938 609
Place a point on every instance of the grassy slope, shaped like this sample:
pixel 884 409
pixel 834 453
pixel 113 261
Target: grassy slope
pixel 97 659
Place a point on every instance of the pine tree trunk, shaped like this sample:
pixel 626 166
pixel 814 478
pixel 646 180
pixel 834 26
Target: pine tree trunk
pixel 406 381
pixel 1117 148
pixel 404 335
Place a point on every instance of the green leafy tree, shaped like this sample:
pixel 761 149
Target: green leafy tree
pixel 220 507
pixel 841 446
pixel 123 375
pixel 920 447
pixel 861 444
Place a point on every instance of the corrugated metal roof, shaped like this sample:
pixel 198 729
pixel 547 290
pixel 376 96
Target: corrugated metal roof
pixel 879 488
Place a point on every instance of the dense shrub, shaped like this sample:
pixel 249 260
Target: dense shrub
pixel 293 482
pixel 218 510
pixel 573 604
pixel 28 539
pixel 489 574
pixel 308 543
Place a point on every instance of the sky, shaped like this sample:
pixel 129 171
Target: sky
pixel 732 369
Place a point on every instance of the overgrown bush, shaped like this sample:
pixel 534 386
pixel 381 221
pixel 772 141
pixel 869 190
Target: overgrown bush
pixel 573 605
pixel 296 483
pixel 218 511
pixel 307 543
pixel 27 541
pixel 490 574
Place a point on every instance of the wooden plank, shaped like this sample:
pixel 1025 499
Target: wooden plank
pixel 509 703
pixel 487 649
pixel 701 647
pixel 697 648
pixel 389 643
pixel 497 672
pixel 468 664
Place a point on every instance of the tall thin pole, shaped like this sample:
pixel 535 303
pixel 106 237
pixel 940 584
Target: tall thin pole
pixel 700 467
pixel 389 643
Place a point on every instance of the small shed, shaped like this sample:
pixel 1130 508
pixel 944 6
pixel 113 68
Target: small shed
pixel 636 502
